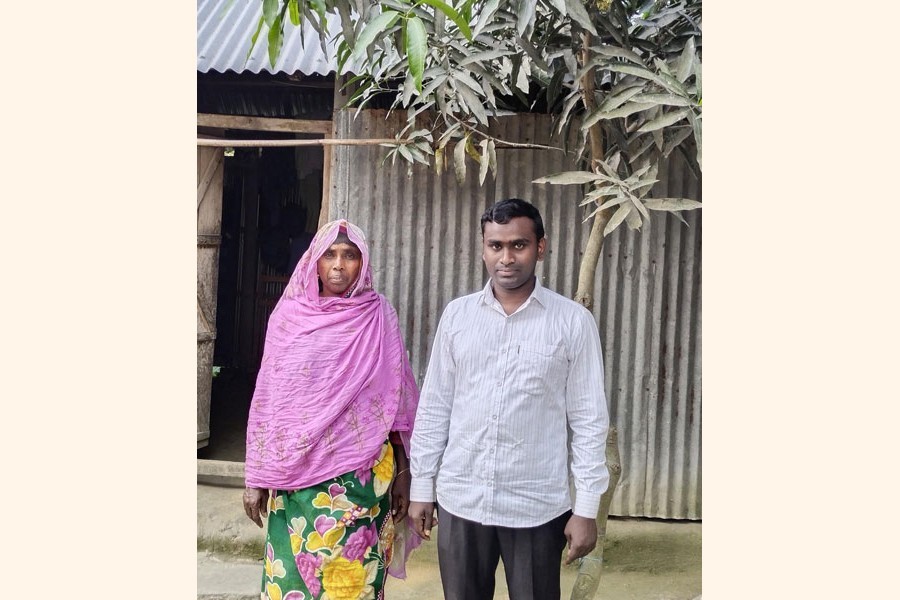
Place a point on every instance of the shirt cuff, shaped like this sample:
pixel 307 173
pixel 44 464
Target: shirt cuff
pixel 421 489
pixel 586 504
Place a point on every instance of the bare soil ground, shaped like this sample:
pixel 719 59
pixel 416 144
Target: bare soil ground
pixel 642 560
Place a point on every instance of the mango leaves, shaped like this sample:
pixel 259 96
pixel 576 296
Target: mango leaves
pixel 630 69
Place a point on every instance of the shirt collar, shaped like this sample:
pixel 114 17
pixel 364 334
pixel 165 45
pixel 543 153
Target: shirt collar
pixel 539 294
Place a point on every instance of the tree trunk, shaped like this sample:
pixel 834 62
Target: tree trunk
pixel 587 271
pixel 588 579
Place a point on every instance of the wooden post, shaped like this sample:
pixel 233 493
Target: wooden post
pixel 588 579
pixel 210 169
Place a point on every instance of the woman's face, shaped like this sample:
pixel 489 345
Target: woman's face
pixel 339 268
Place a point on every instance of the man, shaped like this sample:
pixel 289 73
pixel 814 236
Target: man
pixel 512 407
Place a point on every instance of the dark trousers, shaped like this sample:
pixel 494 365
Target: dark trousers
pixel 468 554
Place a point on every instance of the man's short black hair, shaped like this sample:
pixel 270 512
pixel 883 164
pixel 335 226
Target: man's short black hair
pixel 505 210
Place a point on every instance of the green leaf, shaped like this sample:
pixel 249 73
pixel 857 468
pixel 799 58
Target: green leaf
pixel 346 24
pixel 439 161
pixel 617 218
pixel 680 218
pixel 533 54
pixel 466 79
pixel 605 190
pixel 452 15
pixel 641 208
pixel 485 161
pixel 672 204
pixel 570 103
pixel 698 75
pixel 665 120
pixel 484 56
pixel 473 103
pixel 434 84
pixel 276 38
pixel 486 16
pixel 569 178
pixel 459 160
pixel 635 177
pixel 255 36
pixel 613 202
pixel 559 5
pixel 673 85
pixel 554 87
pixel 270 11
pixel 525 15
pixel 591 64
pixel 580 15
pixel 696 123
pixel 610 169
pixel 492 156
pixel 416 47
pixel 613 30
pixel 343 53
pixel 490 99
pixel 658 138
pixel 628 109
pixel 294 11
pixel 452 132
pixel 471 151
pixel 372 30
pixel 321 9
pixel 679 135
pixel 619 52
pixel 666 99
pixel 409 85
pixel 620 94
pixel 645 185
pixel 684 66
pixel 637 72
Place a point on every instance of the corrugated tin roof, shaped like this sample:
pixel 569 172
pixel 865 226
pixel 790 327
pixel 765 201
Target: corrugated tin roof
pixel 224 31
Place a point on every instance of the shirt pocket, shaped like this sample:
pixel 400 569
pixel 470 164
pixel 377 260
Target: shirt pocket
pixel 541 367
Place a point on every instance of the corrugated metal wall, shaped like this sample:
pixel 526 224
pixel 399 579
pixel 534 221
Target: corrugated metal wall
pixel 425 240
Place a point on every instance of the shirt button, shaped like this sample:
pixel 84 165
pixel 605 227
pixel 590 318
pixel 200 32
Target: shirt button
pixel 494 417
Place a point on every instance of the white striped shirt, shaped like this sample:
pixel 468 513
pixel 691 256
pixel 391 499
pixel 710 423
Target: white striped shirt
pixel 511 408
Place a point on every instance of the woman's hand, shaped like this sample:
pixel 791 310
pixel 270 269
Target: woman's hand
pixel 402 479
pixel 400 495
pixel 255 504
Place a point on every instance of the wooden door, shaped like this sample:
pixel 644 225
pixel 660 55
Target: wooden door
pixel 209 227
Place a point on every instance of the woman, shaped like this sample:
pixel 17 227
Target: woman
pixel 329 429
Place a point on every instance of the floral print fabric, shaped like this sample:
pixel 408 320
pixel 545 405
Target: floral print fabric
pixel 334 540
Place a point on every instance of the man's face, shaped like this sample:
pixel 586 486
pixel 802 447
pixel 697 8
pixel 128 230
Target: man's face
pixel 338 268
pixel 511 252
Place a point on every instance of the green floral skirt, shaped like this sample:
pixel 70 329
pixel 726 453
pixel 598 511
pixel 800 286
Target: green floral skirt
pixel 334 540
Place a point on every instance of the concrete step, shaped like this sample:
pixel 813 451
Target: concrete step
pixel 227 578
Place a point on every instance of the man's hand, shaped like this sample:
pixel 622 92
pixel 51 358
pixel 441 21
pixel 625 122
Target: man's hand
pixel 255 504
pixel 582 535
pixel 422 515
pixel 400 495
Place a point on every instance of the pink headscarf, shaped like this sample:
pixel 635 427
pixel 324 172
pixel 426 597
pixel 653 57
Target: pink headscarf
pixel 334 379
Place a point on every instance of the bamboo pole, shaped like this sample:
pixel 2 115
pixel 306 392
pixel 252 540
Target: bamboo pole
pixel 223 143
pixel 285 143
